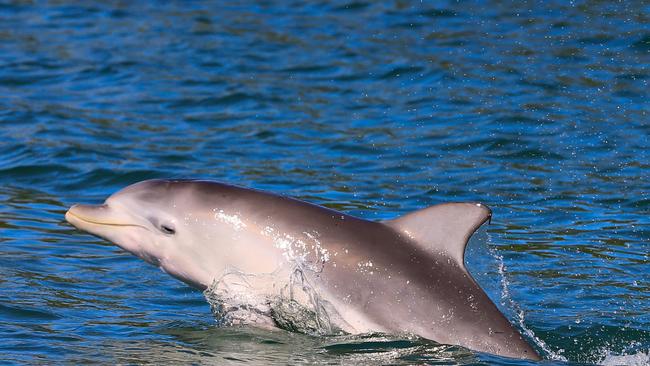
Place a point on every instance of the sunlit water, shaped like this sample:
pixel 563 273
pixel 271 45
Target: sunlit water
pixel 539 111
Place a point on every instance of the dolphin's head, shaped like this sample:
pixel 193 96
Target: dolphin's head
pixel 150 220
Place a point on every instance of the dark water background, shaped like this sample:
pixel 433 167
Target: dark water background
pixel 539 111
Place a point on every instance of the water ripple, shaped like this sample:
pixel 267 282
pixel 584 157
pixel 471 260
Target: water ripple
pixel 376 109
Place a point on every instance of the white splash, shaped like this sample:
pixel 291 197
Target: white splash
pixel 637 359
pixel 507 300
pixel 283 299
pixel 237 298
pixel 305 251
pixel 323 253
pixel 233 220
pixel 365 267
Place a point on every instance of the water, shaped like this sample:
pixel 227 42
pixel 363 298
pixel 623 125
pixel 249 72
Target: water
pixel 539 111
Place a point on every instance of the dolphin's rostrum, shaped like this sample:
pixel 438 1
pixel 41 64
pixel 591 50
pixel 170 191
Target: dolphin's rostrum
pixel 402 275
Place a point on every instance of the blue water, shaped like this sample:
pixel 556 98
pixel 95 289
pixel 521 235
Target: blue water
pixel 539 111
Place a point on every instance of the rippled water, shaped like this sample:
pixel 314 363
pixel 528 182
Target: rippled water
pixel 539 111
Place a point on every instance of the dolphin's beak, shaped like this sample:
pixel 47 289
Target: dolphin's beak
pixel 112 223
pixel 82 215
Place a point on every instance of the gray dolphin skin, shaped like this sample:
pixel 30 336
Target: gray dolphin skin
pixel 405 275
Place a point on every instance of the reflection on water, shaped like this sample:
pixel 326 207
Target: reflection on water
pixel 236 345
pixel 539 111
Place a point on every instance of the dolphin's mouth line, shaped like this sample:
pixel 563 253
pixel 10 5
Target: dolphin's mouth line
pixel 84 219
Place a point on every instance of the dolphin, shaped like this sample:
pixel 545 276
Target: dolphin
pixel 405 275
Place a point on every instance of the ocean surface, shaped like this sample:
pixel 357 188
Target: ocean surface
pixel 540 111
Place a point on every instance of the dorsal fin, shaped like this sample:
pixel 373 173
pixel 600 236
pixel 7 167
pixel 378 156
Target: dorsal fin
pixel 446 227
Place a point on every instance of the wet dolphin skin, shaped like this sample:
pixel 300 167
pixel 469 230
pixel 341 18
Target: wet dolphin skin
pixel 402 275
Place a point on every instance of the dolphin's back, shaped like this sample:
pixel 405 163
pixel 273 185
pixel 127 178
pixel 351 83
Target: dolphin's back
pixel 408 275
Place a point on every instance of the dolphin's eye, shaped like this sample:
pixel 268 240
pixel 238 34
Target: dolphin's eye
pixel 167 229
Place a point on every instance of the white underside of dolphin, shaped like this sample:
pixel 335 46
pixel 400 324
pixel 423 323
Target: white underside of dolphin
pixel 271 260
